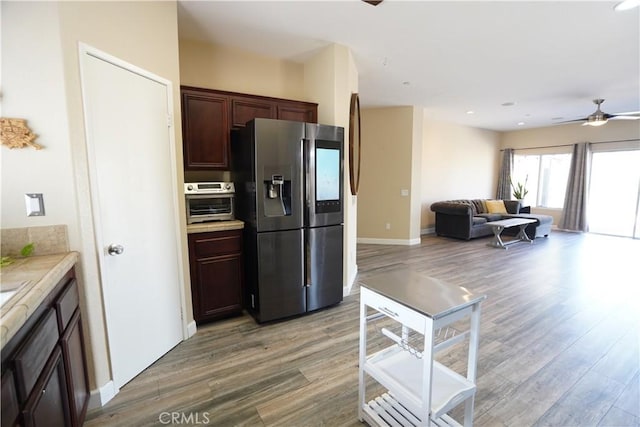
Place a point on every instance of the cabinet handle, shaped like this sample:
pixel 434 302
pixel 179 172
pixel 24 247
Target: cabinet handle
pixel 389 312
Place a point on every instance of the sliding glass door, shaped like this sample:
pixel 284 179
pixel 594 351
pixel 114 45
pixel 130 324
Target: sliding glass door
pixel 614 193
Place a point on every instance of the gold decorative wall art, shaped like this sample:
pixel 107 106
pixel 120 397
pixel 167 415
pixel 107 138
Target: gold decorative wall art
pixel 14 133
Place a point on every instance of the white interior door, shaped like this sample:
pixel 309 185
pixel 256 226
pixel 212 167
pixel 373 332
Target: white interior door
pixel 130 162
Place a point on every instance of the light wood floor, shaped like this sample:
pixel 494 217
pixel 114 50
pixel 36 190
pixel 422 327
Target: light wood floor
pixel 560 335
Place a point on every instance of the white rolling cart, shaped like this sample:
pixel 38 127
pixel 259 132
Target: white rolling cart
pixel 419 390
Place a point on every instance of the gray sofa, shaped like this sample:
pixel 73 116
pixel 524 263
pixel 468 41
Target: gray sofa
pixel 468 219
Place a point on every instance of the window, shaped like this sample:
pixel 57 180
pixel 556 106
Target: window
pixel 546 178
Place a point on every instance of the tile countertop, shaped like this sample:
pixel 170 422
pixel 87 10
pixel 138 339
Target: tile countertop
pixel 215 226
pixel 31 280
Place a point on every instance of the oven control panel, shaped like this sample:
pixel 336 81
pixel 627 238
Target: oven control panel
pixel 209 188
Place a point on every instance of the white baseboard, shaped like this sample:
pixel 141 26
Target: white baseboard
pixel 404 242
pixel 100 397
pixel 191 329
pixel 347 289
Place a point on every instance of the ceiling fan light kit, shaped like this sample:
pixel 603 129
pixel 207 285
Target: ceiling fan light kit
pixel 596 122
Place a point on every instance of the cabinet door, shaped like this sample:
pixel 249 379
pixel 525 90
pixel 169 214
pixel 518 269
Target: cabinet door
pixel 298 112
pixel 205 130
pixel 220 292
pixel 76 369
pixel 10 406
pixel 244 109
pixel 47 406
pixel 216 274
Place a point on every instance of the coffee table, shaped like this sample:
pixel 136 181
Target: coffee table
pixel 499 226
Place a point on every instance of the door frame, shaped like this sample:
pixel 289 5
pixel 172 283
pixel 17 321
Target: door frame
pixel 84 51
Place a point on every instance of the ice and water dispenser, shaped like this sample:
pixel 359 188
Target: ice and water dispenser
pixel 277 196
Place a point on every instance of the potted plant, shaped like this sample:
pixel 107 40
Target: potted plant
pixel 520 190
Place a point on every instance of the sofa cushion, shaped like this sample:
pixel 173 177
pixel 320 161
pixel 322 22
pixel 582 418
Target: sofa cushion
pixel 492 216
pixel 496 206
pixel 479 206
pixel 479 219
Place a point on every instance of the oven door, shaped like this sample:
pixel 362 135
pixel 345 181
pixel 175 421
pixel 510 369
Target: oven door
pixel 209 207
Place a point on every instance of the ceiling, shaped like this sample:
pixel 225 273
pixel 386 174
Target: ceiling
pixel 546 60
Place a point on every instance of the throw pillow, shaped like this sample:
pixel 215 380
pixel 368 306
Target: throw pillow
pixel 496 206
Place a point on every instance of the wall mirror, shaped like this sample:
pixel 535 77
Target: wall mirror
pixel 354 143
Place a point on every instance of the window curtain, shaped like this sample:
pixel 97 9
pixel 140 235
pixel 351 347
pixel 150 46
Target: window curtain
pixel 574 215
pixel 503 192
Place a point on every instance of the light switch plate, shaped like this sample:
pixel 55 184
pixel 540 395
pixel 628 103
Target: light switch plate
pixel 35 204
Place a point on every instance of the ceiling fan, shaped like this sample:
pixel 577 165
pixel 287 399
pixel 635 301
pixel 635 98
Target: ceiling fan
pixel 599 118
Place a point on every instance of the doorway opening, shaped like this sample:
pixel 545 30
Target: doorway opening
pixel 614 193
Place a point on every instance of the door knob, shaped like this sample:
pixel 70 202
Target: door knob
pixel 114 249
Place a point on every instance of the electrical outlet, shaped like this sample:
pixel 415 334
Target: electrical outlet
pixel 388 226
pixel 404 192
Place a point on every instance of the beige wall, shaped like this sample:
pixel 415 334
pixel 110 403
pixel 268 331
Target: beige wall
pixel 458 162
pixel 330 78
pixel 570 133
pixel 388 150
pixel 558 139
pixel 41 82
pixel 218 67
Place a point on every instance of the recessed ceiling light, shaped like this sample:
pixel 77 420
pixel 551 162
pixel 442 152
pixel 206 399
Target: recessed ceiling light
pixel 471 112
pixel 520 123
pixel 508 104
pixel 626 5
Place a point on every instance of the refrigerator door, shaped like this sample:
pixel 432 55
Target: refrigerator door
pixel 281 291
pixel 323 158
pixel 324 266
pixel 278 174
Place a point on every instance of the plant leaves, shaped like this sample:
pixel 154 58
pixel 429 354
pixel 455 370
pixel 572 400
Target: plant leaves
pixel 27 250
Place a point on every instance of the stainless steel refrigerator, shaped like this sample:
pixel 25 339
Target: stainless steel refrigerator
pixel 289 192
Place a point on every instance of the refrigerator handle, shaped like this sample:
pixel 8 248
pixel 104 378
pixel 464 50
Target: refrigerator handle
pixel 304 143
pixel 307 258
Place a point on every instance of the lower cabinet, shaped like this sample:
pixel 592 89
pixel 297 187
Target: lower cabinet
pixel 215 260
pixel 47 405
pixel 44 370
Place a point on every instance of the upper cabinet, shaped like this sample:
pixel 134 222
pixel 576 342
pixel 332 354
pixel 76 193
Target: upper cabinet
pixel 247 108
pixel 205 129
pixel 209 115
pixel 296 112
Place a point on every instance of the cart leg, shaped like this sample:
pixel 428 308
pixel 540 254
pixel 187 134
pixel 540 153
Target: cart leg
pixel 468 412
pixel 363 356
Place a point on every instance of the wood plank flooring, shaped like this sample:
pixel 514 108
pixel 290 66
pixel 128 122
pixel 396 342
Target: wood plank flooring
pixel 560 334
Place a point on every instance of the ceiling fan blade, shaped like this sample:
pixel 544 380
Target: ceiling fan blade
pixel 620 117
pixel 573 121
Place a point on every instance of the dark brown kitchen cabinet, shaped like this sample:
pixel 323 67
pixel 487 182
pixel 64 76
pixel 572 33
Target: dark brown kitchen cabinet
pixel 215 260
pixel 297 113
pixel 209 115
pixel 47 406
pixel 205 128
pixel 9 395
pixel 72 343
pixel 244 109
pixel 44 370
